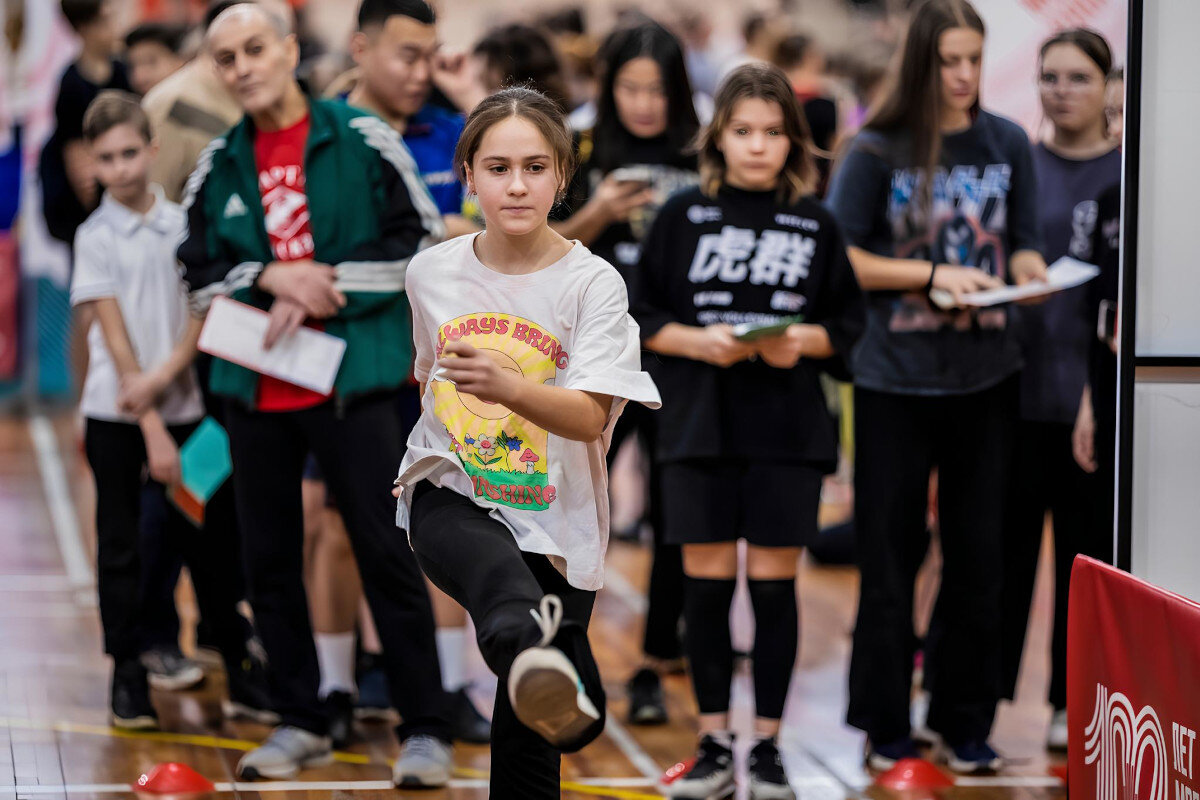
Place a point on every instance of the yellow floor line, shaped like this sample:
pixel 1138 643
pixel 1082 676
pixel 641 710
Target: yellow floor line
pixel 220 742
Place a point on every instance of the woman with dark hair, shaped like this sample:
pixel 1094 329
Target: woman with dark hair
pixel 634 157
pixel 1074 164
pixel 934 193
pixel 518 55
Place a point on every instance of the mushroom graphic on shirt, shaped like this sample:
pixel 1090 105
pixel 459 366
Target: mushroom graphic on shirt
pixel 529 458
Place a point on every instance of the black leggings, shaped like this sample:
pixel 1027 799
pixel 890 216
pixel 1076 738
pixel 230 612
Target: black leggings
pixel 899 440
pixel 475 560
pixel 1046 478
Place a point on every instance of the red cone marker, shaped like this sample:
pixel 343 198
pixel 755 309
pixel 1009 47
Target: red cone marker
pixel 173 778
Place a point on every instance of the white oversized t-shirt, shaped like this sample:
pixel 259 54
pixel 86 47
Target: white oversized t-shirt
pixel 128 256
pixel 565 325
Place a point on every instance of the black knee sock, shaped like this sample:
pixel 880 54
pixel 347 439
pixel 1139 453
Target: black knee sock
pixel 776 635
pixel 710 652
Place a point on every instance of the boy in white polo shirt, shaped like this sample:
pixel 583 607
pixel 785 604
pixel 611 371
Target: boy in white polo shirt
pixel 141 400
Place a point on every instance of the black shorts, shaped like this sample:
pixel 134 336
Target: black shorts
pixel 769 504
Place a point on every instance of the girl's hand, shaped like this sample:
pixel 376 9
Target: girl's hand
pixel 162 454
pixel 782 351
pixel 619 198
pixel 286 317
pixel 1083 437
pixel 716 345
pixel 1027 266
pixel 473 372
pixel 140 392
pixel 960 281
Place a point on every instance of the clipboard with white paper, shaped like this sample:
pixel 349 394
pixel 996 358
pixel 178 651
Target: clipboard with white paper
pixel 308 358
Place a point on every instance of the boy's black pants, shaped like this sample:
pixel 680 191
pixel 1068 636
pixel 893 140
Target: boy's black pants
pixel 899 440
pixel 359 449
pixel 116 453
pixel 475 559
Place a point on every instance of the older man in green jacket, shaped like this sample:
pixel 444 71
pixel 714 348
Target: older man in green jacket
pixel 310 210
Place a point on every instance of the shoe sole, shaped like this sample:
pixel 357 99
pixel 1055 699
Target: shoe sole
pixel 648 716
pixel 546 698
pixel 422 781
pixel 282 773
pixel 959 767
pixel 234 710
pixel 723 793
pixel 142 723
pixel 186 679
pixel 770 791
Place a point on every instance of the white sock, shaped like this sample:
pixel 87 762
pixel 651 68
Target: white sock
pixel 335 657
pixel 450 646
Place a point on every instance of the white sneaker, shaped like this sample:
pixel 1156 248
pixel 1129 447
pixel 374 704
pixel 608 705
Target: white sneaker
pixel 1056 738
pixel 424 761
pixel 544 687
pixel 285 752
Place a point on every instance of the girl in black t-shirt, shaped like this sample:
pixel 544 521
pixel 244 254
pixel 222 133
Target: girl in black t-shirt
pixel 729 271
pixel 934 193
pixel 634 157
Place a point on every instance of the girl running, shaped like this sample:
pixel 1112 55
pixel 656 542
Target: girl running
pixel 934 193
pixel 730 269
pixel 526 354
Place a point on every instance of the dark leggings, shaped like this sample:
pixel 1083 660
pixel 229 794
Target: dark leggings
pixel 475 560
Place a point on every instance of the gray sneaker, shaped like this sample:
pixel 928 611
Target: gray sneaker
pixel 169 670
pixel 285 752
pixel 424 761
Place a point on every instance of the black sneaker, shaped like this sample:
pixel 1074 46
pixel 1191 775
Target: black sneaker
pixel 884 756
pixel 768 780
pixel 710 777
pixel 169 670
pixel 972 758
pixel 466 723
pixel 374 702
pixel 249 697
pixel 130 698
pixel 340 708
pixel 646 706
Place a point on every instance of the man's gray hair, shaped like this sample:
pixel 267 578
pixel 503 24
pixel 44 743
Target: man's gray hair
pixel 277 21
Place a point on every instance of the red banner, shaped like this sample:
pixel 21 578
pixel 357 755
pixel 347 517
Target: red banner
pixel 1133 688
pixel 10 318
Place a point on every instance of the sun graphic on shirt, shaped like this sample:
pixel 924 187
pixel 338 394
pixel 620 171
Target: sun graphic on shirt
pixel 505 454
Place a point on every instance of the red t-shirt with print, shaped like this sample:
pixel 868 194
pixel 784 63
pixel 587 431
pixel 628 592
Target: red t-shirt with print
pixel 279 157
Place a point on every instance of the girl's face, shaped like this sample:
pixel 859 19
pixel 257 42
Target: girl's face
pixel 1072 88
pixel 960 55
pixel 514 175
pixel 755 144
pixel 1114 109
pixel 641 98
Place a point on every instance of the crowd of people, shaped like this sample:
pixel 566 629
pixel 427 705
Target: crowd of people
pixel 527 251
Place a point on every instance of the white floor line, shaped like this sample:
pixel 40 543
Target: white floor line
pixel 623 590
pixel 58 499
pixel 633 751
pixel 297 786
pixel 1029 781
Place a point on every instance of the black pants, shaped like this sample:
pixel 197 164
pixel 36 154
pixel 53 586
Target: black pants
pixel 358 450
pixel 1045 478
pixel 162 562
pixel 116 453
pixel 474 559
pixel 899 440
pixel 664 607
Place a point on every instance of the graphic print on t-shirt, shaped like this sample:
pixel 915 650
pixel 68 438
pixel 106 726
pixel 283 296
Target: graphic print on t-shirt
pixel 970 211
pixel 505 454
pixel 285 211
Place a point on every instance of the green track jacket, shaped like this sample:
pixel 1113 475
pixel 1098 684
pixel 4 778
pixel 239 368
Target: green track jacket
pixel 369 213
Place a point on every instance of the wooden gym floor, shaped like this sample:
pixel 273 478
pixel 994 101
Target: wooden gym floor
pixel 55 741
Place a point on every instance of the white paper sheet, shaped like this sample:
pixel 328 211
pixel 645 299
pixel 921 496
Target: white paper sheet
pixel 234 331
pixel 1065 273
